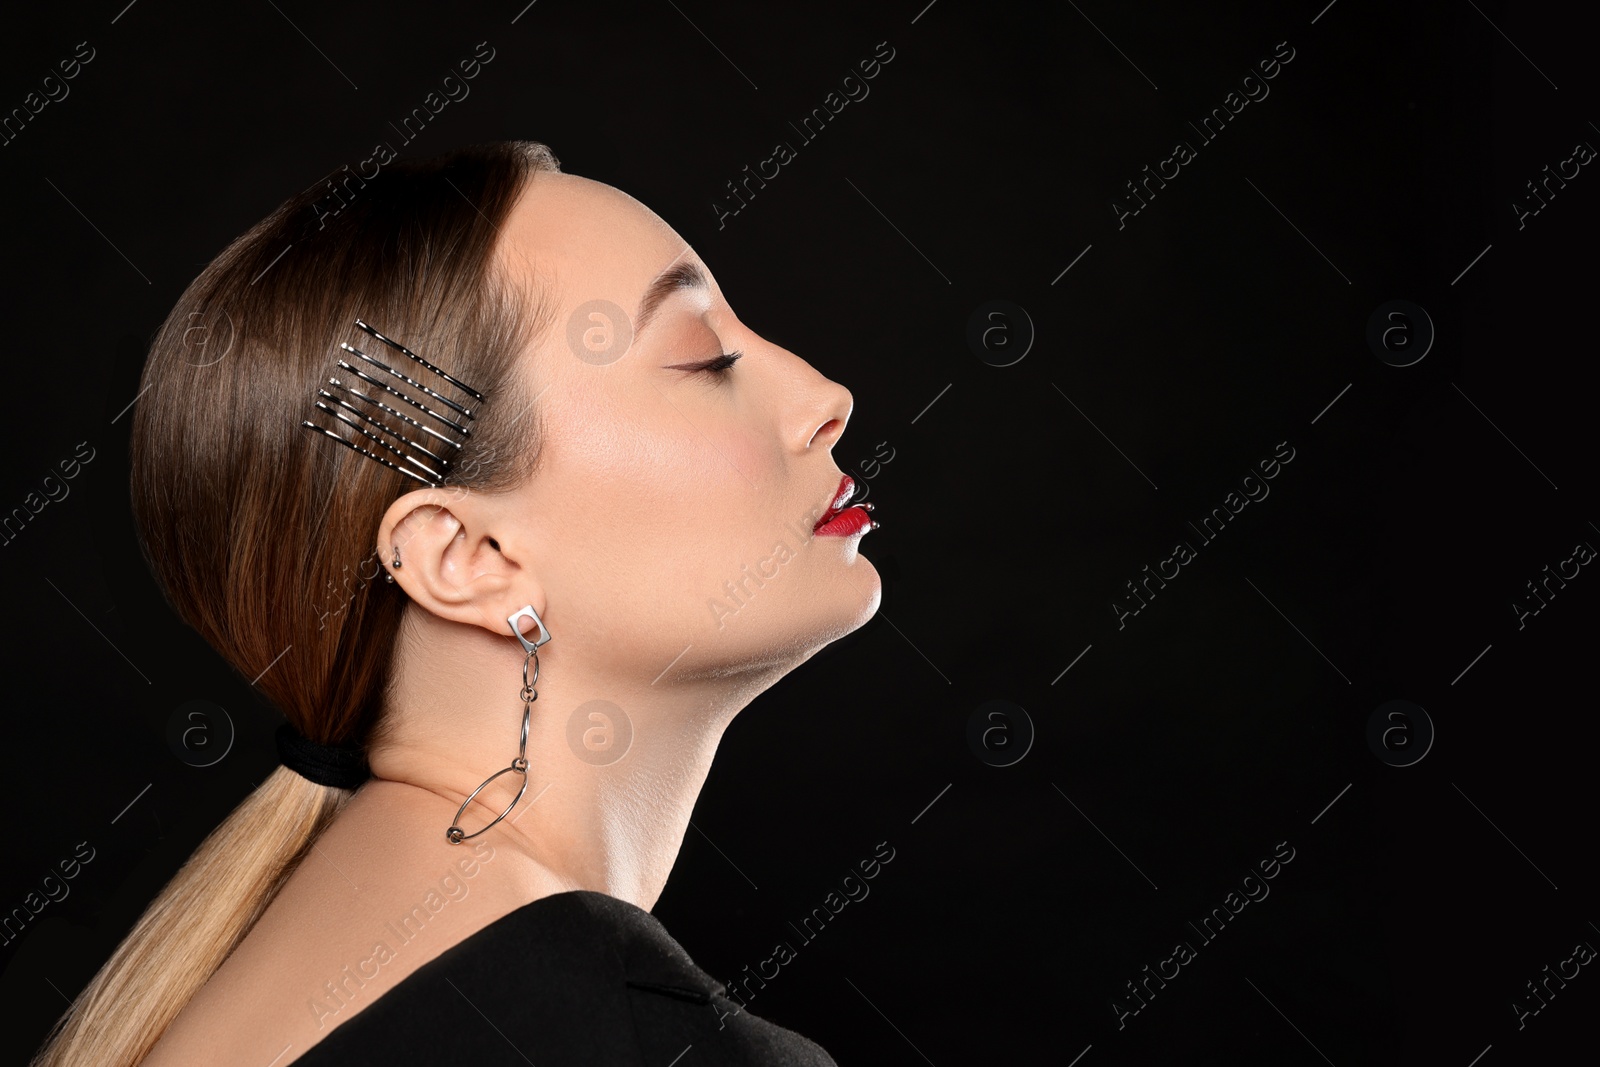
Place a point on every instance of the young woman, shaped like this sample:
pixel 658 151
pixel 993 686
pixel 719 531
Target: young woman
pixel 606 517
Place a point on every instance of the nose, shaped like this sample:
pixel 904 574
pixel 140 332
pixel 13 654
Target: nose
pixel 831 411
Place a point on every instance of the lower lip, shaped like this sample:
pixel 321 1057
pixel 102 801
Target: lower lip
pixel 847 523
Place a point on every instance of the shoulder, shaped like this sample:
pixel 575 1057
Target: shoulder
pixel 575 977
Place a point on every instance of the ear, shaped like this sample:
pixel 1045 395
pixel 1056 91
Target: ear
pixel 452 564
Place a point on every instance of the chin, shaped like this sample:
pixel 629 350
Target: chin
pixel 865 589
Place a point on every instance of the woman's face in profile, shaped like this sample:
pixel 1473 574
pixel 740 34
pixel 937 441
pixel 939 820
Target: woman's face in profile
pixel 671 520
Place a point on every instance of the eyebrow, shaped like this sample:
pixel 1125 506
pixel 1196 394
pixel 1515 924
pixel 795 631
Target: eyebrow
pixel 686 275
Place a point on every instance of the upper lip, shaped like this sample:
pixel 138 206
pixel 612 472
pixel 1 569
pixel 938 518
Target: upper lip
pixel 841 497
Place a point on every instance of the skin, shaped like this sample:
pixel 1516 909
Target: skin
pixel 657 485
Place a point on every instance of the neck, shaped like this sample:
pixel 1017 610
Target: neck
pixel 616 758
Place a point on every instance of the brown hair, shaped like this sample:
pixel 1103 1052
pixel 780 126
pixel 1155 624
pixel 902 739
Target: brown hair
pixel 260 532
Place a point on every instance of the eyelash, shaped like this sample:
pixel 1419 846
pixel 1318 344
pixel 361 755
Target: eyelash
pixel 721 365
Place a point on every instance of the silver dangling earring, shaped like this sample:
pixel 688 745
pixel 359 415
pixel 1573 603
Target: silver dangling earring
pixel 519 765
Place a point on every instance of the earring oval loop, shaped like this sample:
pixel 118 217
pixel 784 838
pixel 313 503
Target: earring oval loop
pixel 527 713
pixel 454 834
pixel 528 692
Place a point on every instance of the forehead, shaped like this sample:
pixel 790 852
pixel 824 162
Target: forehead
pixel 575 241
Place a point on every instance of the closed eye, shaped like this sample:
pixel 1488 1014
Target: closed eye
pixel 717 367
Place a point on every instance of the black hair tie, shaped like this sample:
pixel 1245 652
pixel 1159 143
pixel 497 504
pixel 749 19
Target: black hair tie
pixel 342 766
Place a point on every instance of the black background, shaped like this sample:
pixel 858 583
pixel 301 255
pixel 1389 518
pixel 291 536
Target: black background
pixel 1229 315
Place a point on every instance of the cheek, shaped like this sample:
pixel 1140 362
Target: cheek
pixel 660 505
pixel 693 444
pixel 738 473
pixel 652 483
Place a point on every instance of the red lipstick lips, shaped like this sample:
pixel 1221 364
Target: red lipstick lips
pixel 842 521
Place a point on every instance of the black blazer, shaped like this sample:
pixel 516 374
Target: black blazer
pixel 577 978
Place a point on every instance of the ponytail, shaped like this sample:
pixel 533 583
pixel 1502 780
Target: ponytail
pixel 190 928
